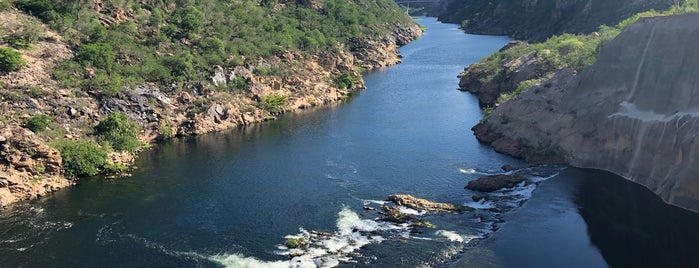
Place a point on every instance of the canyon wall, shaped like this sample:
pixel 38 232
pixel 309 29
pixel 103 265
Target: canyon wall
pixel 634 112
pixel 537 20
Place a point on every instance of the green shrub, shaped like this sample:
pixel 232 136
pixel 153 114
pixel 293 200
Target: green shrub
pixel 38 123
pixel 103 83
pixel 5 4
pixel 190 18
pixel 118 132
pixel 81 158
pixel 181 65
pixel 273 103
pixel 521 87
pixel 10 60
pixel 346 80
pixel 113 168
pixel 212 45
pixel 41 8
pixel 99 55
pixel 34 91
pixel 238 82
pixel 153 70
pixel 68 74
pixel 165 130
pixel 268 71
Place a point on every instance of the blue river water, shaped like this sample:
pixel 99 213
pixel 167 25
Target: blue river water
pixel 232 199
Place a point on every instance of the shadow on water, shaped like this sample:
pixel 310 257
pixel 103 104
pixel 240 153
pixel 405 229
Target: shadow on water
pixel 632 227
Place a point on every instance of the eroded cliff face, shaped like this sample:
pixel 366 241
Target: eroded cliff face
pixel 634 112
pixel 536 20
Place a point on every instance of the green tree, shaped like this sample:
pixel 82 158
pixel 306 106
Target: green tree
pixel 191 19
pixel 118 132
pixel 100 55
pixel 181 65
pixel 268 3
pixel 40 8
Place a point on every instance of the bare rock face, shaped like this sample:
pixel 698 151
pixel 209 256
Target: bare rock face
pixel 28 168
pixel 635 112
pixel 494 182
pixel 375 54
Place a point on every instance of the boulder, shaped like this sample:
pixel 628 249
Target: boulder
pixel 218 78
pixel 479 197
pixel 507 168
pixel 494 182
pixel 393 214
pixel 422 204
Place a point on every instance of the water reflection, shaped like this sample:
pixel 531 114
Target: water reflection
pixel 633 228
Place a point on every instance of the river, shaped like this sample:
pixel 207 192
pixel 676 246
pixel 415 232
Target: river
pixel 232 199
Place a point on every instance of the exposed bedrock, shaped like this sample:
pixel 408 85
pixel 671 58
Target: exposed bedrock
pixel 635 112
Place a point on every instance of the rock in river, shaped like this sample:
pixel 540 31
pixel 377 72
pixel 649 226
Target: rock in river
pixel 422 204
pixel 494 182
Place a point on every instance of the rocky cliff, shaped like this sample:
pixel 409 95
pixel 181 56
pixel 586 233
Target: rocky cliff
pixel 634 112
pixel 489 84
pixel 536 20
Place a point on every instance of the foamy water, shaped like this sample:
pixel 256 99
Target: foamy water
pixel 354 232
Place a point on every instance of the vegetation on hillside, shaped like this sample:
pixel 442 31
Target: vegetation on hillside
pixel 563 51
pixel 69 60
pixel 117 132
pixel 536 21
pixel 38 123
pixel 176 41
pixel 10 60
pixel 89 156
pixel 81 158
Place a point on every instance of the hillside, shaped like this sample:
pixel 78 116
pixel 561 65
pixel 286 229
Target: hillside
pixel 537 20
pixel 85 85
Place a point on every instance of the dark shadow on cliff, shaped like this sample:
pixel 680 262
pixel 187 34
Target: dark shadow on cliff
pixel 632 227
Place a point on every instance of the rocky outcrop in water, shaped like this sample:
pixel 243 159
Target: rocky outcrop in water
pixel 494 182
pixel 422 204
pixel 537 20
pixel 634 112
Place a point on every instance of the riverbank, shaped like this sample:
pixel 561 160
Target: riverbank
pixel 230 198
pixel 255 91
